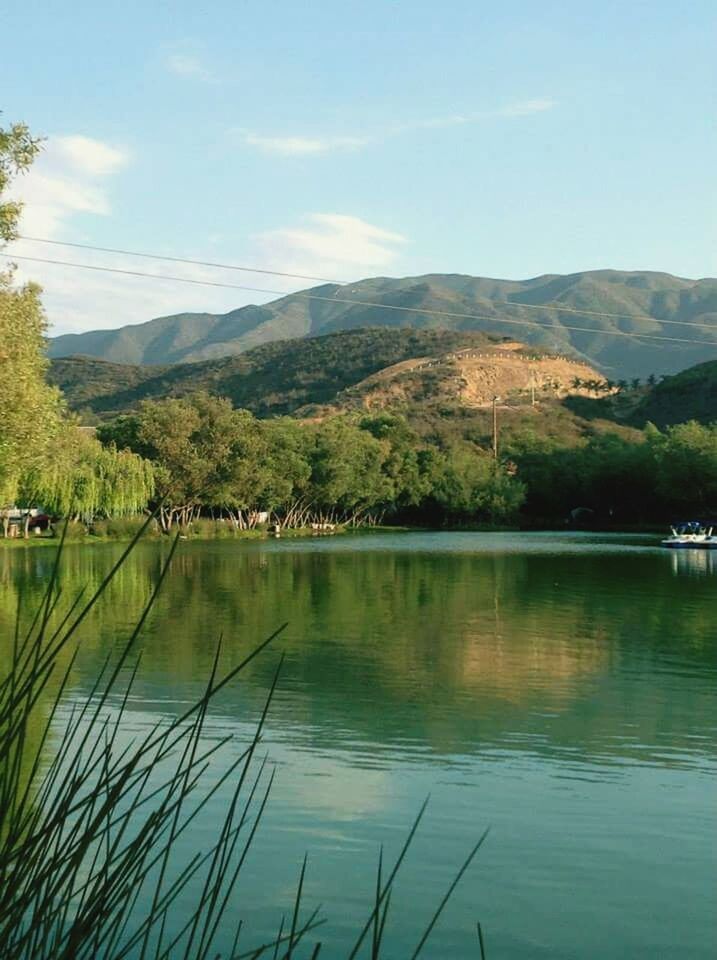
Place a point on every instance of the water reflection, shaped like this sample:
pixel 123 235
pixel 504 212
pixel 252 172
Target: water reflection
pixel 694 563
pixel 563 691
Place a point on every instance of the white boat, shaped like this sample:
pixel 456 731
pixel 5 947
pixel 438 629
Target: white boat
pixel 691 534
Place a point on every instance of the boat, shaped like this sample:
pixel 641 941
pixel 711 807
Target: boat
pixel 691 535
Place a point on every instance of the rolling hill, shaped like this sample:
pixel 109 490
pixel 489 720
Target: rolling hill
pixel 690 395
pixel 273 379
pixel 646 303
pixel 443 381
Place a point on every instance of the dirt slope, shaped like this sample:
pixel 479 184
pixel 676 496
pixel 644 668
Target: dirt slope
pixel 510 371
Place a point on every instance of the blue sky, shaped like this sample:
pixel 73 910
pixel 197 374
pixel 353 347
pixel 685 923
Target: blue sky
pixel 347 139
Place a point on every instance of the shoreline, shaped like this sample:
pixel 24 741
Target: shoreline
pixel 19 543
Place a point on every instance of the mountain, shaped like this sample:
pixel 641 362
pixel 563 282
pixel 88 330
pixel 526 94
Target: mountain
pixel 642 302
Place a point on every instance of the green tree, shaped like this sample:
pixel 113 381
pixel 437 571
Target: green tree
pixel 347 469
pixel 86 480
pixel 18 149
pixel 30 410
pixel 408 481
pixel 686 466
pixel 471 485
pixel 204 452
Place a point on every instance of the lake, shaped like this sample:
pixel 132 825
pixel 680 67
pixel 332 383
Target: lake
pixel 559 688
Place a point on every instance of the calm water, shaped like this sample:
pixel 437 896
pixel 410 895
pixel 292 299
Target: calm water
pixel 559 688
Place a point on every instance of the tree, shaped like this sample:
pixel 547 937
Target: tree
pixel 347 469
pixel 471 485
pixel 286 472
pixel 204 452
pixel 86 480
pixel 17 151
pixel 409 484
pixel 686 466
pixel 30 410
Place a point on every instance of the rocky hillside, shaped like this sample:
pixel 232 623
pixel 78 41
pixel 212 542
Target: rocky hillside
pixel 585 314
pixel 472 378
pixel 348 370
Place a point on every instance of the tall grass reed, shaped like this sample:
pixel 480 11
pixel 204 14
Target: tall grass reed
pixel 89 827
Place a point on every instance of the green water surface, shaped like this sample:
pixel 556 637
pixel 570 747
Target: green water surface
pixel 558 688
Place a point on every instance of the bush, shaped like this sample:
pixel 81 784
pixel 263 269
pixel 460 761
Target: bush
pixel 123 528
pixel 207 529
pixel 75 530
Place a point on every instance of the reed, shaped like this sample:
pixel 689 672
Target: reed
pixel 89 866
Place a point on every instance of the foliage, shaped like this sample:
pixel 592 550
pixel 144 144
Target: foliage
pixel 18 148
pixel 44 456
pixel 85 479
pixel 30 410
pixel 656 476
pixel 121 528
pixel 467 485
pixel 344 468
pixel 204 452
pixel 689 395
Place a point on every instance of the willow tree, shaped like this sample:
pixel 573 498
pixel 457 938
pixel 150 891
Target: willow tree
pixel 85 480
pixel 30 410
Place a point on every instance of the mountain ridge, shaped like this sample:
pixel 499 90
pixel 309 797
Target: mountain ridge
pixel 594 315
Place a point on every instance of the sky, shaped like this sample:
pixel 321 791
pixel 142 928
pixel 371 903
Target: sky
pixel 351 139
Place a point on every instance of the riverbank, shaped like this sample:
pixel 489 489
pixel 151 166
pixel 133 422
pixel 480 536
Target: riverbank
pixel 204 535
pixel 222 533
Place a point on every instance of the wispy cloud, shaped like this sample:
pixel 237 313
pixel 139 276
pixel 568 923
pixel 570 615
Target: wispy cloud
pixel 305 145
pixel 524 108
pixel 331 245
pixel 300 145
pixel 67 179
pixel 187 65
pixel 73 179
pixel 520 108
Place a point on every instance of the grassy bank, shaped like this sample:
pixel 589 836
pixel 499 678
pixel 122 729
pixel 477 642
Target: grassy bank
pixel 201 530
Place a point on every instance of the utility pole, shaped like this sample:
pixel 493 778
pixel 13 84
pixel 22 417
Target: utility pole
pixel 495 428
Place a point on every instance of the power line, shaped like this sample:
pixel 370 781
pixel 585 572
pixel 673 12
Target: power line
pixel 361 303
pixel 197 263
pixel 340 283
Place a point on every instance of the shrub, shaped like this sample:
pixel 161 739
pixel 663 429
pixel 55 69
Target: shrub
pixel 122 528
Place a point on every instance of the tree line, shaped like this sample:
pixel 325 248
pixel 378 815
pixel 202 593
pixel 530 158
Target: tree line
pixel 209 458
pixel 644 476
